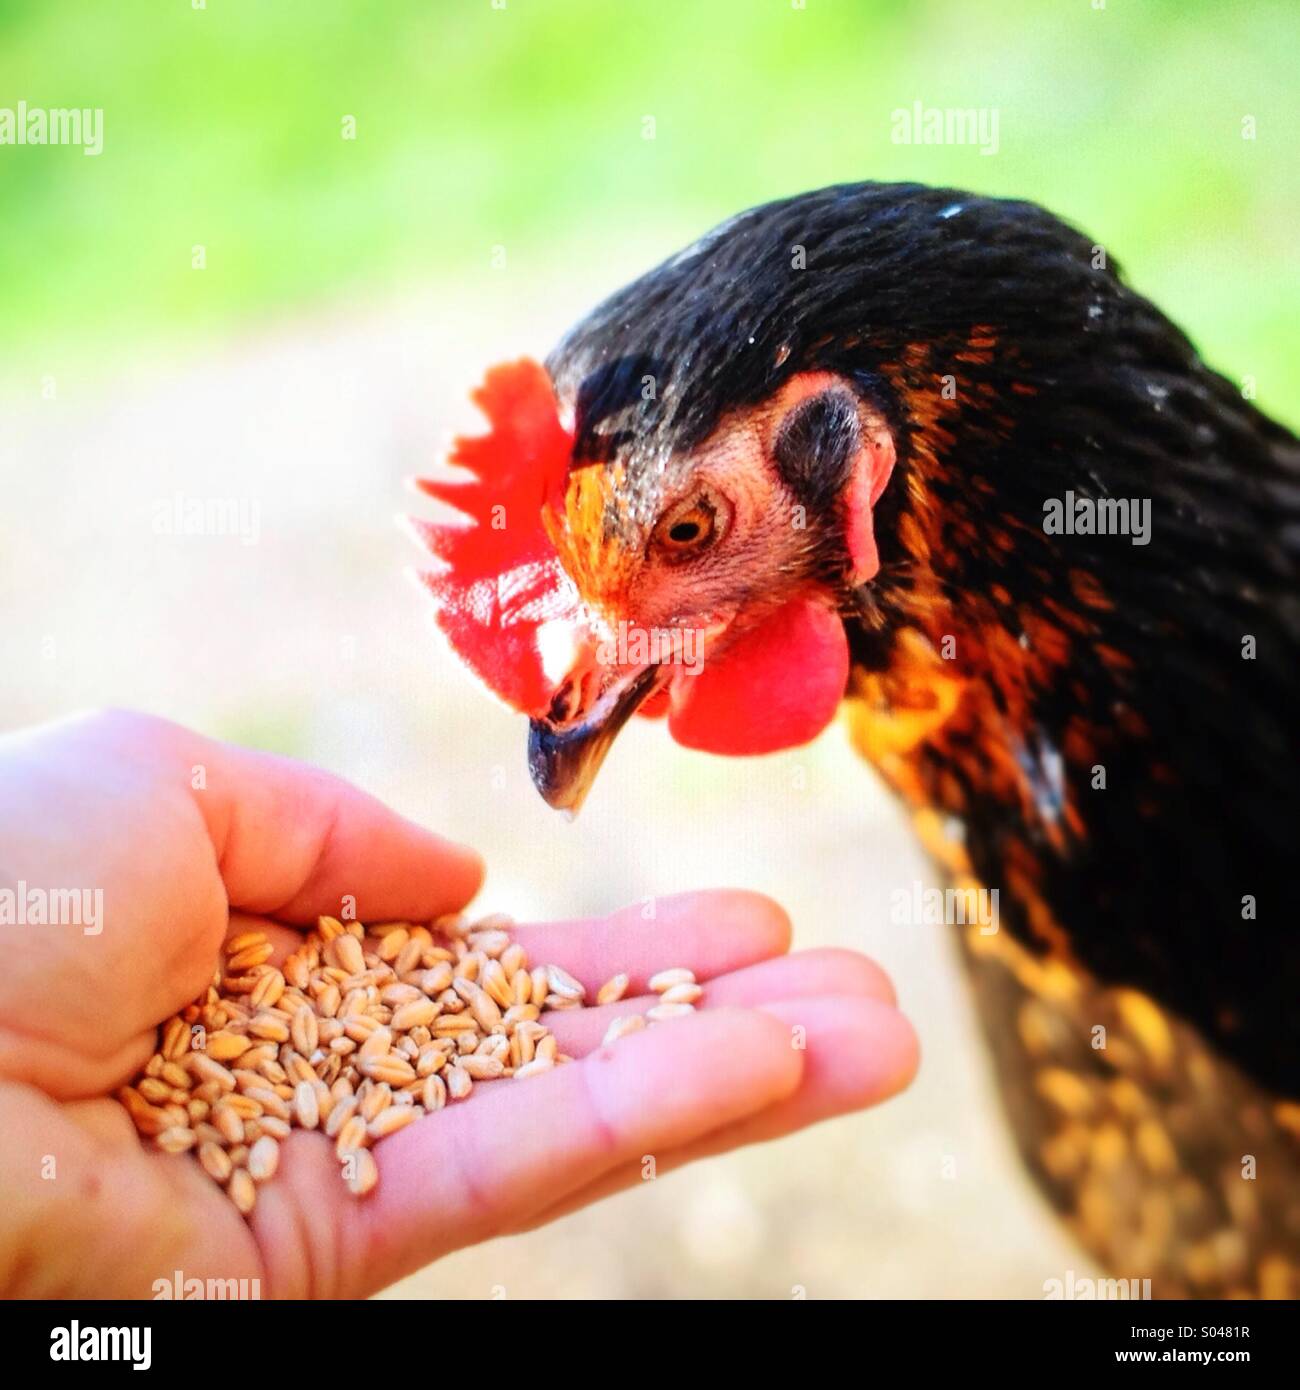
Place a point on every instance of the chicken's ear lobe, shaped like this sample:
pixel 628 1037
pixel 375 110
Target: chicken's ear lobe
pixel 834 452
pixel 868 477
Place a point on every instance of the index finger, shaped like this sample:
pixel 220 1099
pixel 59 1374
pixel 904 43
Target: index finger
pixel 710 933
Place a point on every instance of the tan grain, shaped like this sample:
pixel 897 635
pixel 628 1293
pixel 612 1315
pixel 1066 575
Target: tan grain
pixel 376 1100
pixel 268 989
pixel 248 958
pixel 480 1068
pixel 364 1172
pixel 391 943
pixel 563 984
pixel 215 1160
pixel 306 1105
pixel 357 1034
pixel 176 1140
pixel 612 990
pixel 662 1012
pixel 685 993
pixel 666 979
pixel 263 1159
pixel 242 1190
pixel 419 1013
pixel 351 1136
pixel 621 1027
pixel 392 1119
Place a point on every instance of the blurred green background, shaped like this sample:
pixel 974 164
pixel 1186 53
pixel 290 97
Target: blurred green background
pixel 499 184
pixel 522 127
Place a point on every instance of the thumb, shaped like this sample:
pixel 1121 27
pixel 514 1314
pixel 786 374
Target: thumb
pixel 293 842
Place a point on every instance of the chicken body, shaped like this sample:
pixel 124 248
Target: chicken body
pixel 1059 557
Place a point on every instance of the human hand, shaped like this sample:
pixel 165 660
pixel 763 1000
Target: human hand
pixel 110 802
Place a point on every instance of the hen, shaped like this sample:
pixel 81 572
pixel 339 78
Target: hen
pixel 926 453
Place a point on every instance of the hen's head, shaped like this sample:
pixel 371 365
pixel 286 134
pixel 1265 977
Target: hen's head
pixel 767 435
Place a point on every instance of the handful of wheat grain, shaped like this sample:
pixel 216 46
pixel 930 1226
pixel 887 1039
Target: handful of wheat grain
pixel 359 1033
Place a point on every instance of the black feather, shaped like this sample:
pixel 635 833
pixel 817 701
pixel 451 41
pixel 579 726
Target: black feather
pixel 1083 387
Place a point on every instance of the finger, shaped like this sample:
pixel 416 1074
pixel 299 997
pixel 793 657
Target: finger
pixel 293 842
pixel 710 933
pixel 473 1170
pixel 857 1053
pixel 815 973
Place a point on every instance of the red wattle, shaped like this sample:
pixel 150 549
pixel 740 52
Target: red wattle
pixel 776 687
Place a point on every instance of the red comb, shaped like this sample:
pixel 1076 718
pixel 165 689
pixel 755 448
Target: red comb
pixel 501 579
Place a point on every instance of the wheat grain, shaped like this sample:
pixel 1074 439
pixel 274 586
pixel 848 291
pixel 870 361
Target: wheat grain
pixel 351 1136
pixel 263 1159
pixel 306 1105
pixel 391 943
pixel 305 1030
pixel 612 990
pixel 176 1140
pixel 481 1068
pixel 392 1119
pixel 215 1160
pixel 433 1095
pixel 242 1190
pixel 377 1045
pixel 364 1174
pixel 267 1025
pixel 348 952
pixel 661 1012
pixel 563 984
pixel 229 1124
pixel 622 1026
pixel 355 1035
pixel 666 979
pixel 268 989
pixel 225 1047
pixel 419 1013
pixel 249 957
pixel 486 1012
pixel 343 1111
pixel 374 1100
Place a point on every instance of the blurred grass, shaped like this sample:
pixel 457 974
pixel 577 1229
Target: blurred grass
pixel 521 127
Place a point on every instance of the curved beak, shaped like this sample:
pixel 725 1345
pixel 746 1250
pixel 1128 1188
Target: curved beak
pixel 568 745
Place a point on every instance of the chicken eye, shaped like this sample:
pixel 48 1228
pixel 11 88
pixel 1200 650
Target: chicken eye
pixel 690 527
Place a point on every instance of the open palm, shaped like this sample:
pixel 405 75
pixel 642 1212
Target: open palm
pixel 191 841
